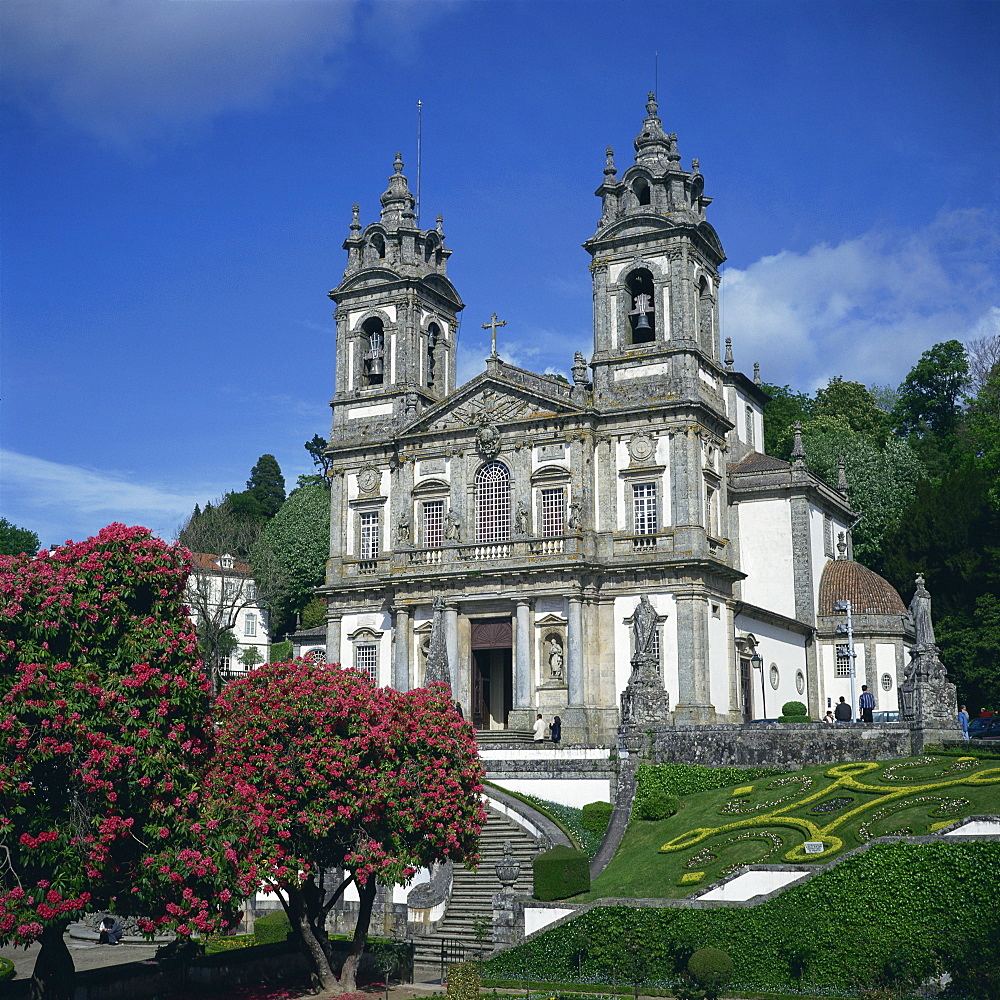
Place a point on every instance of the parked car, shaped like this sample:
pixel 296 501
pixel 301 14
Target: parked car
pixel 886 716
pixel 764 720
pixel 989 730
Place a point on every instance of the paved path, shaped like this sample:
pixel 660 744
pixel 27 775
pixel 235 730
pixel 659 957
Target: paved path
pixel 85 955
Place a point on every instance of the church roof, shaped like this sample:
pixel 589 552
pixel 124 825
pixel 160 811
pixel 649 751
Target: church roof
pixel 756 462
pixel 869 593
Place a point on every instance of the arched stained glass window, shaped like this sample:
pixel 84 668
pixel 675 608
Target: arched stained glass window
pixel 493 503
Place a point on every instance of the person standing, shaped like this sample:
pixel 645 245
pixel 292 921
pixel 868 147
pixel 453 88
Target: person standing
pixel 555 729
pixel 963 722
pixel 866 705
pixel 842 713
pixel 538 729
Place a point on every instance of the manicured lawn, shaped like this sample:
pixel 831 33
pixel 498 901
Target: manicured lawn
pixel 767 822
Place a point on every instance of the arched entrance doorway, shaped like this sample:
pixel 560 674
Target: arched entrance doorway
pixel 492 673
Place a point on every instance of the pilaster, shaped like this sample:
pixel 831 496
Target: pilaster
pixel 522 654
pixel 401 664
pixel 574 651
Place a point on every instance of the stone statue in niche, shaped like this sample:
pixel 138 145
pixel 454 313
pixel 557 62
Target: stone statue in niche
pixel 453 527
pixel 522 519
pixel 403 529
pixel 555 658
pixel 644 622
pixel 575 520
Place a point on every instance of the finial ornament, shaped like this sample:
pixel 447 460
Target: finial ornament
pixel 756 373
pixel 651 106
pixel 579 369
pixel 695 166
pixel 439 224
pixel 729 354
pixel 798 452
pixel 355 216
pixel 841 545
pixel 841 476
pixel 609 165
pixel 397 164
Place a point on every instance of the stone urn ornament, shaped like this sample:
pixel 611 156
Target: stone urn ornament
pixel 507 868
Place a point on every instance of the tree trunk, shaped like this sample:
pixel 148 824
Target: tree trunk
pixel 349 974
pixel 312 947
pixel 54 975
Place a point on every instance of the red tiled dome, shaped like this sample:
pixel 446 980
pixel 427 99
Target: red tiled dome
pixel 869 594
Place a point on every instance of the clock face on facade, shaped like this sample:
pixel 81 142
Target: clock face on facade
pixel 641 448
pixel 368 480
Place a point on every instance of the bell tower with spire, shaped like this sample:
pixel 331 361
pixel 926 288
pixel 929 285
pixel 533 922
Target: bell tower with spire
pixel 396 316
pixel 655 264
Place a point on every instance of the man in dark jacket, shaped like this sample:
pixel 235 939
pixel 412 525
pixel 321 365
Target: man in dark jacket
pixel 842 713
pixel 111 931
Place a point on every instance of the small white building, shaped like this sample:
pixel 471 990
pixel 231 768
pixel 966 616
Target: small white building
pixel 222 590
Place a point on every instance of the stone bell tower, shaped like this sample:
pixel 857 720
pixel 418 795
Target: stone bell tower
pixel 655 262
pixel 396 317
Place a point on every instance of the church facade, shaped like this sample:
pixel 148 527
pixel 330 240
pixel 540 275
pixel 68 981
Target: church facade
pixel 541 512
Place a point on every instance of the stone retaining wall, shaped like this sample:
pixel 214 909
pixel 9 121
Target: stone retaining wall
pixel 787 745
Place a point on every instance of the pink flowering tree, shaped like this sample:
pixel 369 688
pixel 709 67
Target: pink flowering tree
pixel 334 773
pixel 104 740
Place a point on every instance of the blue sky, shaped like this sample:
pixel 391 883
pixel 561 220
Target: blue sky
pixel 178 178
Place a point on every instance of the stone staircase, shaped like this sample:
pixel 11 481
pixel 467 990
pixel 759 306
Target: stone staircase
pixel 472 892
pixel 489 739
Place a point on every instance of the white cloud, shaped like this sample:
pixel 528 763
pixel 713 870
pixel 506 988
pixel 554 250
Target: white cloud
pixel 866 308
pixel 124 69
pixel 54 500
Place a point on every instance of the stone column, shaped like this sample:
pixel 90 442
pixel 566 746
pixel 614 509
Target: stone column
pixel 401 665
pixel 693 695
pixel 451 642
pixel 574 652
pixel 522 655
pixel 333 623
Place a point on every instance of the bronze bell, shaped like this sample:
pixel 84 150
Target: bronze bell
pixel 642 323
pixel 376 366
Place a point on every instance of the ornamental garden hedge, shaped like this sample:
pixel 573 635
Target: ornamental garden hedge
pixel 844 927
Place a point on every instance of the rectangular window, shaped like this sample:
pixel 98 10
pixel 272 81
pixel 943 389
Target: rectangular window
pixel 366 661
pixel 250 625
pixel 712 510
pixel 369 535
pixel 843 668
pixel 553 513
pixel 434 524
pixel 644 521
pixel 228 589
pixel 251 590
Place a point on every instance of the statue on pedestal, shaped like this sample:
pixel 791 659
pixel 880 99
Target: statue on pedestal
pixel 644 700
pixel 926 695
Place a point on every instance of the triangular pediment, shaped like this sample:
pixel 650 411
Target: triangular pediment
pixel 496 400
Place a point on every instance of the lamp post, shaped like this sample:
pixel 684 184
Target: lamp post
pixel 757 662
pixel 848 629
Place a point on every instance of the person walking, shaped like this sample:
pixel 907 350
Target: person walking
pixel 842 713
pixel 555 729
pixel 866 705
pixel 963 722
pixel 538 729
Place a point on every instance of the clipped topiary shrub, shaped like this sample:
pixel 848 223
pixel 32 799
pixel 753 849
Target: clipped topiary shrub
pixel 6 969
pixel 271 927
pixel 794 708
pixel 280 652
pixel 711 969
pixel 560 873
pixel 595 817
pixel 464 981
pixel 656 805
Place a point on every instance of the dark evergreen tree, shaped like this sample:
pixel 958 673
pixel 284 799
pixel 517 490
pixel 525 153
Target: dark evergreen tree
pixel 316 448
pixel 267 485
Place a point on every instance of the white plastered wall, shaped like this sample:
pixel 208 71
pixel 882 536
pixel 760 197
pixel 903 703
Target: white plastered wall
pixel 766 555
pixel 836 687
pixel 377 621
pixel 718 657
pixel 885 663
pixel 787 651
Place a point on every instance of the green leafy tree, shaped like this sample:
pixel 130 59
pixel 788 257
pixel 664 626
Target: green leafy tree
pixel 853 404
pixel 882 478
pixel 15 540
pixel 267 485
pixel 297 542
pixel 951 534
pixel 781 411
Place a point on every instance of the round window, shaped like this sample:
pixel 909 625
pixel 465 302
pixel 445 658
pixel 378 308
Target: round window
pixel 887 682
pixel 800 681
pixel 774 676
